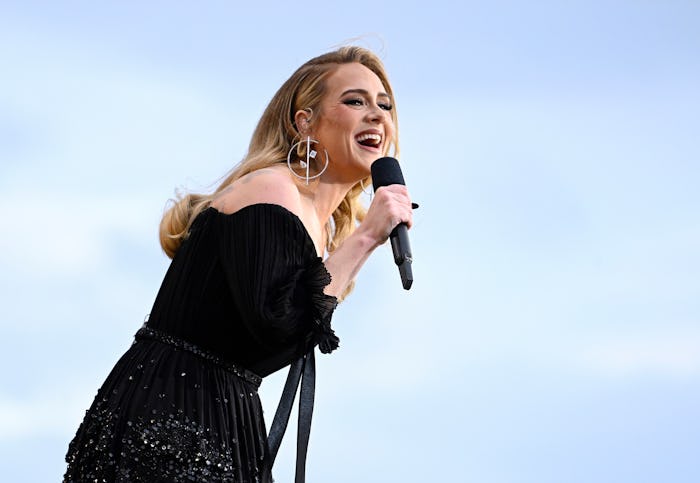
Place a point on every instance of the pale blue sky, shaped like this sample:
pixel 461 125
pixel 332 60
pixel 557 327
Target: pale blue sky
pixel 552 334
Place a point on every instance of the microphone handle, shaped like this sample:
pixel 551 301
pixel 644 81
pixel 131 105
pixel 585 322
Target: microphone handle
pixel 402 254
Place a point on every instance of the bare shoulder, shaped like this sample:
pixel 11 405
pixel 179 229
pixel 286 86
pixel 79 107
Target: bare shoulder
pixel 268 185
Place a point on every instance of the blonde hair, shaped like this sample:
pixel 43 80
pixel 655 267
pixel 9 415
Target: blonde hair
pixel 275 133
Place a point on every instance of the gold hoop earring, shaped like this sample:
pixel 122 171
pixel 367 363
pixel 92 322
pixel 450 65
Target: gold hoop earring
pixel 306 164
pixel 371 192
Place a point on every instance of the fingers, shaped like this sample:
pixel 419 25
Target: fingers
pixel 390 207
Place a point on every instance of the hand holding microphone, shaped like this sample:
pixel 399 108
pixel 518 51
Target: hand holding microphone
pixel 387 173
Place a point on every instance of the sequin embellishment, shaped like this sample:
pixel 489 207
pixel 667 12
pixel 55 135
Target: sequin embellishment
pixel 149 450
pixel 151 333
pixel 145 425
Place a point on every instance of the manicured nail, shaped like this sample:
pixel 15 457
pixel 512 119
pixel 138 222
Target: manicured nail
pixel 414 205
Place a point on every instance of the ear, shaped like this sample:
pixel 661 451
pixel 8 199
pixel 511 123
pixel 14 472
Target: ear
pixel 301 119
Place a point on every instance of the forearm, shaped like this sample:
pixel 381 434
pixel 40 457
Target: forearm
pixel 346 260
pixel 391 206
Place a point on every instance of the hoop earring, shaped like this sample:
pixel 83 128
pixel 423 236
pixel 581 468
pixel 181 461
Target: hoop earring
pixel 310 156
pixel 370 194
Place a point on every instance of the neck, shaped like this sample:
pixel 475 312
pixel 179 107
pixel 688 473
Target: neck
pixel 325 196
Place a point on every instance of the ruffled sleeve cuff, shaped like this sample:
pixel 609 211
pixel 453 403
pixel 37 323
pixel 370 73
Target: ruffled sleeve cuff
pixel 323 306
pixel 305 289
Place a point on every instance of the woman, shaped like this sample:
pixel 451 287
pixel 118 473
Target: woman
pixel 248 291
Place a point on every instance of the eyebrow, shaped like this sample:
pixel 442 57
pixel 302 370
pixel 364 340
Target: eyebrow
pixel 364 92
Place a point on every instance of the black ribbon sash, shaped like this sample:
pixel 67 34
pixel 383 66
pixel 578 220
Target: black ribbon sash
pixel 301 370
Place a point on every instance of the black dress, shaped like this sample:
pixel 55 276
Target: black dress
pixel 243 297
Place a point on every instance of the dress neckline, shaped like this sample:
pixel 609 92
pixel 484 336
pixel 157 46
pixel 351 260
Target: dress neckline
pixel 281 208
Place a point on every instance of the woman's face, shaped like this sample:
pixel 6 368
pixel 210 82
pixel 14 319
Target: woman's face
pixel 355 124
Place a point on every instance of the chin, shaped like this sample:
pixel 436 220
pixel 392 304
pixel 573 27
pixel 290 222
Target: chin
pixel 371 155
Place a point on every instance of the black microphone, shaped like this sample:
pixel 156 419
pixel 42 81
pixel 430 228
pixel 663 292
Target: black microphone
pixel 386 171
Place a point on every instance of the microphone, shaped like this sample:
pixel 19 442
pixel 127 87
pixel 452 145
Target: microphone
pixel 386 171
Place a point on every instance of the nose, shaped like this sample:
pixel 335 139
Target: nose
pixel 375 114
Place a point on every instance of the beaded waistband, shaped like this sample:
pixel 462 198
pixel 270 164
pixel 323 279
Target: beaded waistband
pixel 159 336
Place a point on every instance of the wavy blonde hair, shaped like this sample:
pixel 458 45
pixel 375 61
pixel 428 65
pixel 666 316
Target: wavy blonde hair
pixel 273 137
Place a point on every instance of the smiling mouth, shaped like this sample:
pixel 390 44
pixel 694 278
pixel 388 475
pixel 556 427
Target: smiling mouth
pixel 369 140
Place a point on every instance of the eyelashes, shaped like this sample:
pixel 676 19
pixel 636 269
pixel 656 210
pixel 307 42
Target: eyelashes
pixel 361 102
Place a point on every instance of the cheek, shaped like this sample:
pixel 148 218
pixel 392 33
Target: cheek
pixel 342 130
pixel 346 121
pixel 335 125
pixel 390 131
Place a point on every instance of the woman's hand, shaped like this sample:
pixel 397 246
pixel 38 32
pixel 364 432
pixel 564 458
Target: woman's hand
pixel 390 207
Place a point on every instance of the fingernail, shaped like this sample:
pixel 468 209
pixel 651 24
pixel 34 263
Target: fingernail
pixel 414 205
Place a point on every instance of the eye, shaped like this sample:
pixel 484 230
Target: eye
pixel 386 106
pixel 354 102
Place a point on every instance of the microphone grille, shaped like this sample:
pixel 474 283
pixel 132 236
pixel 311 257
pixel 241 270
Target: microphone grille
pixel 386 171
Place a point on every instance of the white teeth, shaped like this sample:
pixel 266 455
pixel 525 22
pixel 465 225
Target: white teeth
pixel 364 137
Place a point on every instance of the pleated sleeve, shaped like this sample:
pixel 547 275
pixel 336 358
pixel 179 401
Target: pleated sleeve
pixel 276 278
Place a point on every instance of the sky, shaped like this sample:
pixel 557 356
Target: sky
pixel 552 333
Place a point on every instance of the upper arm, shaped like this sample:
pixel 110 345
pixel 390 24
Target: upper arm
pixel 267 185
pixel 275 280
